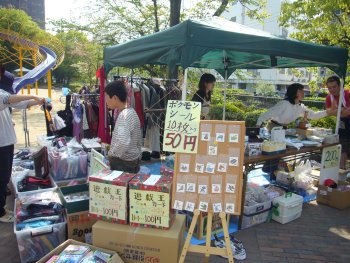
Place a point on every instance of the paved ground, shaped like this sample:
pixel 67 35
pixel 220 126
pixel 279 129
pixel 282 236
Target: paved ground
pixel 321 235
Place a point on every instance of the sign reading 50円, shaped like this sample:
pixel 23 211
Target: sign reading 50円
pixel 181 127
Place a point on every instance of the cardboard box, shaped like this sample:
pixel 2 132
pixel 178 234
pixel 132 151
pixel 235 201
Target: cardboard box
pixel 305 132
pixel 333 197
pixel 137 245
pixel 79 224
pixel 150 201
pixel 115 258
pixel 109 194
pixel 74 206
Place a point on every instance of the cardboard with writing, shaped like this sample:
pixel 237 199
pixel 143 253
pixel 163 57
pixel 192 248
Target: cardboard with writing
pixel 149 201
pixel 137 245
pixel 109 196
pixel 79 224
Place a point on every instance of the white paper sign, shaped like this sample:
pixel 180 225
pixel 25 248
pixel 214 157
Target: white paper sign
pixel 330 163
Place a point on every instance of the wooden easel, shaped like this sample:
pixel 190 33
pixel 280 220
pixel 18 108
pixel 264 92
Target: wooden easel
pixel 207 249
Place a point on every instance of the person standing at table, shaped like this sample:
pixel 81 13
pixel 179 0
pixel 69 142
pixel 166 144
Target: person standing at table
pixel 204 92
pixel 8 140
pixel 125 151
pixel 290 109
pixel 332 102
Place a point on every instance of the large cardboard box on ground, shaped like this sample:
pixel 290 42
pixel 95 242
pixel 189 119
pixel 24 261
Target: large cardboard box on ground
pixel 333 197
pixel 79 224
pixel 115 258
pixel 137 245
pixel 109 194
pixel 150 200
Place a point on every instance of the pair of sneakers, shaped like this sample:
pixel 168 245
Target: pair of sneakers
pixel 237 247
pixel 8 217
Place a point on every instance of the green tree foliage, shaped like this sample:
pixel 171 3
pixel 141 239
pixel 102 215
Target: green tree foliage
pixel 319 21
pixel 82 58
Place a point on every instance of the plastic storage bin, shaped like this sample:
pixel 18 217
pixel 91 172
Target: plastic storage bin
pixel 18 176
pixel 288 207
pixel 256 214
pixel 35 243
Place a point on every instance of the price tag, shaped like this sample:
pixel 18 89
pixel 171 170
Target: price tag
pixel 331 157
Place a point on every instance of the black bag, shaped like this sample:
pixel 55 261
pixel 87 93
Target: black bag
pixel 67 117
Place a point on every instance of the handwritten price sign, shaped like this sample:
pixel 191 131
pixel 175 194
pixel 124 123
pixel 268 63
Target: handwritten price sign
pixel 182 126
pixel 330 157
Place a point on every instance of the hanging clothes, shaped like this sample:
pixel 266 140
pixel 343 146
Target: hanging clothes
pixel 77 119
pixel 67 116
pixel 103 128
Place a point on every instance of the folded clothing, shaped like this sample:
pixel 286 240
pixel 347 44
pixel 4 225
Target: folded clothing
pixel 31 183
pixel 38 209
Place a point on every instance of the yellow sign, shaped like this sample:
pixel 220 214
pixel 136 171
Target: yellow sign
pixel 181 127
pixel 149 208
pixel 108 200
pixel 331 157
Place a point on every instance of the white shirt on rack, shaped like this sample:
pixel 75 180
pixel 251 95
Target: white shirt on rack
pixel 285 112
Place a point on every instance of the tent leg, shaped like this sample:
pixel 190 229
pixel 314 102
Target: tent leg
pixel 225 93
pixel 184 86
pixel 341 95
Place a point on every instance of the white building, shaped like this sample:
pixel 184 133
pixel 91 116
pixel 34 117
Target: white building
pixel 280 78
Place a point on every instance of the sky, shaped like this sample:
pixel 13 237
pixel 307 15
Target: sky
pixel 64 8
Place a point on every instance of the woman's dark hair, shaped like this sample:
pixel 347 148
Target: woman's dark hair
pixel 205 78
pixel 117 88
pixel 332 79
pixel 292 90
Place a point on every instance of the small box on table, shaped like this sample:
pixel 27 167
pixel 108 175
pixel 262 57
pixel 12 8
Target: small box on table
pixel 109 196
pixel 150 201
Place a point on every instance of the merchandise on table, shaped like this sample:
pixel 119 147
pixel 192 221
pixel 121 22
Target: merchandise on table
pixel 149 201
pixel 253 148
pixel 67 164
pixel 164 170
pixel 141 244
pixel 271 148
pixel 40 225
pixel 109 193
pixel 287 208
pixel 71 250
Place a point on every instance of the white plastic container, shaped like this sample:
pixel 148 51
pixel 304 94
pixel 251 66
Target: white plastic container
pixel 35 243
pixel 289 207
pixel 256 214
pixel 18 176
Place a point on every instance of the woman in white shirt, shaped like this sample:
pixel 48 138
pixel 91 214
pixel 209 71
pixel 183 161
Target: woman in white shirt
pixel 290 109
pixel 8 140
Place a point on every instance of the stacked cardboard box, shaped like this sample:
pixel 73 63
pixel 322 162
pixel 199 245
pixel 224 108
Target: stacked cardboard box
pixel 109 194
pixel 150 201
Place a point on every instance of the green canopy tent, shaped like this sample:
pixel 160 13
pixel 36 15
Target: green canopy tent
pixel 225 46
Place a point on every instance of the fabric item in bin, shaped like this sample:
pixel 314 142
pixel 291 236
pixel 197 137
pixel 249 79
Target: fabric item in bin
pixel 30 183
pixel 38 209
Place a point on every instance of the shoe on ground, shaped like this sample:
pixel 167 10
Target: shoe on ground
pixel 237 252
pixel 7 218
pixel 237 242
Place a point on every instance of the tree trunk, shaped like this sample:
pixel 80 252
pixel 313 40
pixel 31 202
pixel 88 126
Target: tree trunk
pixel 156 16
pixel 221 8
pixel 175 10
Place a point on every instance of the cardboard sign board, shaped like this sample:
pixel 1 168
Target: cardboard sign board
pixel 330 163
pixel 211 180
pixel 182 126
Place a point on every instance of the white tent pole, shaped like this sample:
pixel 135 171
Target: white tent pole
pixel 340 104
pixel 225 93
pixel 184 86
